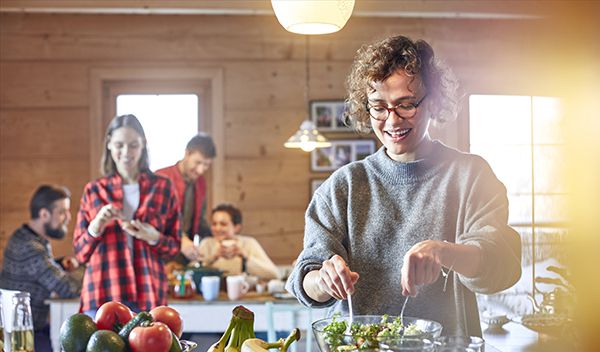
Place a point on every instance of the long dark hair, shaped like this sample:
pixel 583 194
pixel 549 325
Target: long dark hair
pixel 107 165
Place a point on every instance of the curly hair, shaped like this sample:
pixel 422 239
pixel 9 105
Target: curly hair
pixel 378 61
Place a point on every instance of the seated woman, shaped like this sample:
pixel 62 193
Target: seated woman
pixel 231 252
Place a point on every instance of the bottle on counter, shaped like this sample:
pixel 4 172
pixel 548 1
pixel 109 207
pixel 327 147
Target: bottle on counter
pixel 22 337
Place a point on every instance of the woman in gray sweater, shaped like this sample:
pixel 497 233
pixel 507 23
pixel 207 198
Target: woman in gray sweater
pixel 388 226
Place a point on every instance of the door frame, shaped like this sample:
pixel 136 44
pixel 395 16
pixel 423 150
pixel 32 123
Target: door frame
pixel 211 81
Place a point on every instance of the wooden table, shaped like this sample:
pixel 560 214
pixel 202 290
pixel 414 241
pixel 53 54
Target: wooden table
pixel 200 316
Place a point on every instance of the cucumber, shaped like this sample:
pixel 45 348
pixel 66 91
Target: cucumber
pixel 133 323
pixel 175 345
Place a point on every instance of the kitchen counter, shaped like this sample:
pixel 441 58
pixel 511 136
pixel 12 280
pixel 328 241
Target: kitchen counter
pixel 200 316
pixel 213 317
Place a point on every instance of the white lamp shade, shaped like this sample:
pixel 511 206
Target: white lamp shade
pixel 313 16
pixel 307 138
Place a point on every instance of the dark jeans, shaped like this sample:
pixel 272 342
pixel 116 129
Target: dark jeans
pixel 42 340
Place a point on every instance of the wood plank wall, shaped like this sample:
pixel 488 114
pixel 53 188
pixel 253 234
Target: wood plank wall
pixel 45 60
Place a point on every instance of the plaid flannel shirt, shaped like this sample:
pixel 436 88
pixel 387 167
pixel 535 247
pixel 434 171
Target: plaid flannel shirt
pixel 113 272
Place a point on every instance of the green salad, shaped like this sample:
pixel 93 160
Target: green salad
pixel 365 336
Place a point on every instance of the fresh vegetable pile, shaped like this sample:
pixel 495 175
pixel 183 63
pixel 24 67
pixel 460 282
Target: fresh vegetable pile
pixel 366 336
pixel 239 336
pixel 116 328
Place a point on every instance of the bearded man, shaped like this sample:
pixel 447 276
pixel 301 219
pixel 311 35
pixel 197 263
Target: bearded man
pixel 28 261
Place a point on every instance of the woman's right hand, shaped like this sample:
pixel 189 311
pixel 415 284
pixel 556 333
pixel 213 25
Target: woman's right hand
pixel 336 279
pixel 106 214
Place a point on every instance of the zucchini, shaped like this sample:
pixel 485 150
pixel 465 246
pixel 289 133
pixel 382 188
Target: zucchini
pixel 133 323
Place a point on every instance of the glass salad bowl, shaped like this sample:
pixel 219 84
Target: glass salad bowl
pixel 371 332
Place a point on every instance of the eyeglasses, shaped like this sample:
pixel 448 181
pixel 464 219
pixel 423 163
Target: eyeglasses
pixel 403 110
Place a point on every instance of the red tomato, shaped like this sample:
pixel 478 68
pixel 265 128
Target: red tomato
pixel 155 337
pixel 112 316
pixel 170 317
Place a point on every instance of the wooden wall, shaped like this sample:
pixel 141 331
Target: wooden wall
pixel 45 61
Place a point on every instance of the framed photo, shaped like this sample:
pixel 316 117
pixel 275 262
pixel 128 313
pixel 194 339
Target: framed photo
pixel 340 153
pixel 314 184
pixel 328 115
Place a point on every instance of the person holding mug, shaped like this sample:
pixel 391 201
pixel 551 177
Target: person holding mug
pixel 231 252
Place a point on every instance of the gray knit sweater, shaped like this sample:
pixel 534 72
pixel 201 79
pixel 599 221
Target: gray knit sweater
pixel 371 212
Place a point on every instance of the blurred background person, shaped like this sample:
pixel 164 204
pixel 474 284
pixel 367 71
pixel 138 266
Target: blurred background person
pixel 28 261
pixel 127 225
pixel 187 176
pixel 231 252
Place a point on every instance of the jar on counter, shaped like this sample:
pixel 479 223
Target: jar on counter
pixel 185 286
pixel 22 338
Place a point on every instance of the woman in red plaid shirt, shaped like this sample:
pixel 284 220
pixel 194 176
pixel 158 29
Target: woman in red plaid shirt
pixel 127 225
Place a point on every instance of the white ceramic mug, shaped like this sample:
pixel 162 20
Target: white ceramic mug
pixel 276 286
pixel 209 285
pixel 236 287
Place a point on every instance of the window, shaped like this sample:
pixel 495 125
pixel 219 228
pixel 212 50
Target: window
pixel 522 140
pixel 520 136
pixel 169 121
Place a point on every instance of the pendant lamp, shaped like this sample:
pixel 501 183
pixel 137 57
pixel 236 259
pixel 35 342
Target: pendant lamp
pixel 313 16
pixel 307 137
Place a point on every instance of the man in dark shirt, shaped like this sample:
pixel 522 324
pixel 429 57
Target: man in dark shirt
pixel 28 261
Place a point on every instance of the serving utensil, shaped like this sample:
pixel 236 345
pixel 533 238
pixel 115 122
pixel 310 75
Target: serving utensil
pixel 350 315
pixel 402 311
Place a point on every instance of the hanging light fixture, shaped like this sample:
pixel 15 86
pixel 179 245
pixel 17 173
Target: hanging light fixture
pixel 307 137
pixel 312 16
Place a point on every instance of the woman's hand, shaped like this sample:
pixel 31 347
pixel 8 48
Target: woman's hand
pixel 106 214
pixel 335 278
pixel 141 231
pixel 422 266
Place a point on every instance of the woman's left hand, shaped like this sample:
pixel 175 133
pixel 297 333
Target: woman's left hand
pixel 422 266
pixel 141 230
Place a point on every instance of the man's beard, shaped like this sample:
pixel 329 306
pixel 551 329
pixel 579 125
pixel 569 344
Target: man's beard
pixel 57 233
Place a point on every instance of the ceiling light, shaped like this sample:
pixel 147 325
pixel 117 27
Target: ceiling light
pixel 312 16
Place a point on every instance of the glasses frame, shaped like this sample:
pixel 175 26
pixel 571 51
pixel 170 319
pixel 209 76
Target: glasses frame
pixel 415 106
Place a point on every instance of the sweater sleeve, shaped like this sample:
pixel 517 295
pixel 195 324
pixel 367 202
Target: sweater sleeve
pixel 54 279
pixel 486 226
pixel 258 262
pixel 324 237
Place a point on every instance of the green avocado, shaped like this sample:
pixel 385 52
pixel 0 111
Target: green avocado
pixel 75 332
pixel 106 341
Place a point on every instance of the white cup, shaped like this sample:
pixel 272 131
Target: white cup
pixel 276 286
pixel 236 287
pixel 209 285
pixel 252 281
pixel 261 287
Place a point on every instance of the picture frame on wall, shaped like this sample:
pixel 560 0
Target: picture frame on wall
pixel 340 153
pixel 328 115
